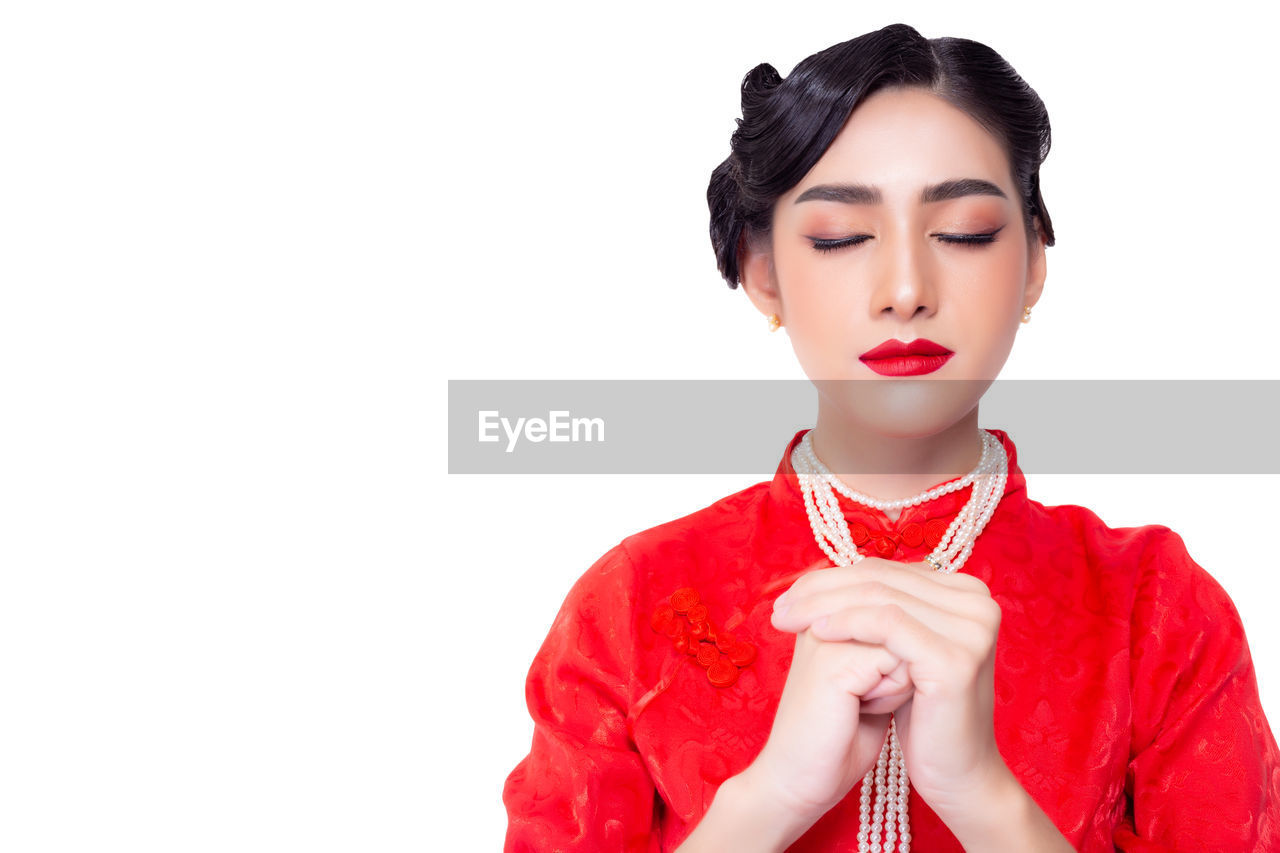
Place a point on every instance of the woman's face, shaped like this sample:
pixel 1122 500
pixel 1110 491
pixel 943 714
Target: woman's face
pixel 865 250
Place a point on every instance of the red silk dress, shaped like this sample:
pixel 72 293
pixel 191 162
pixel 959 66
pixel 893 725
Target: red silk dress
pixel 1125 696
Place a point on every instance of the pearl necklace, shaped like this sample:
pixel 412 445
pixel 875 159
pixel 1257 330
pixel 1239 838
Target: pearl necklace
pixel 818 485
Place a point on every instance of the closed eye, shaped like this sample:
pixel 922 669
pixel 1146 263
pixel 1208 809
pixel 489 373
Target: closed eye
pixel 832 245
pixel 951 239
pixel 971 239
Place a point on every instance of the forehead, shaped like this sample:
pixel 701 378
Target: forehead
pixel 903 139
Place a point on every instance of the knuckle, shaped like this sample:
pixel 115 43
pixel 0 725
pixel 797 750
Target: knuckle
pixel 860 665
pixel 983 642
pixel 877 590
pixel 992 613
pixel 817 641
pixel 973 584
pixel 892 615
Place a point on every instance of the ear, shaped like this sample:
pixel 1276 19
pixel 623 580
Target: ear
pixel 1036 269
pixel 758 277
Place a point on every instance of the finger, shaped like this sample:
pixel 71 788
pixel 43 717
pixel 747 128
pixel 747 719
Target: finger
pixel 919 579
pixel 896 682
pixel 974 633
pixel 901 633
pixel 852 667
pixel 855 669
pixel 865 659
pixel 891 693
pixel 803 605
pixel 885 704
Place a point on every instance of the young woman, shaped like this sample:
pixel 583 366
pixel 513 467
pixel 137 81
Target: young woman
pixel 911 652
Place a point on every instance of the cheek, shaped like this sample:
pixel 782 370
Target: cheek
pixel 990 313
pixel 991 326
pixel 819 340
pixel 997 285
pixel 819 315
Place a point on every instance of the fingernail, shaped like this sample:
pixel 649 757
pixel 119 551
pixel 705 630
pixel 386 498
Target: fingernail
pixel 781 604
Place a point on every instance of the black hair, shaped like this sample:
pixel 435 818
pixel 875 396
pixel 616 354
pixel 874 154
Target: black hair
pixel 788 124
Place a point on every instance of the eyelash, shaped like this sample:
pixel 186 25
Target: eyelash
pixel 969 240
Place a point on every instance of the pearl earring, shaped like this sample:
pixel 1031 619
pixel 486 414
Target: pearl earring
pixel 774 322
pixel 1026 314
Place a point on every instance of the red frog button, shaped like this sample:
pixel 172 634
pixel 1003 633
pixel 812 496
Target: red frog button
pixel 685 619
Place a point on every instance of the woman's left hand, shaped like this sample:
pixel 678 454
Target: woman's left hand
pixel 943 628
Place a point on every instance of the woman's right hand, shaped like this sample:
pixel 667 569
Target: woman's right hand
pixel 824 736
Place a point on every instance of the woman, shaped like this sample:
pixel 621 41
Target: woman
pixel 946 665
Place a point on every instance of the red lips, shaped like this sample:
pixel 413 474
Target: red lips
pixel 894 348
pixel 915 358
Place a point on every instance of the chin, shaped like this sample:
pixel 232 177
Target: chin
pixel 907 407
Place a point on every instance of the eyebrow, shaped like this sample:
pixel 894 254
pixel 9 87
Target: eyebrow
pixel 863 194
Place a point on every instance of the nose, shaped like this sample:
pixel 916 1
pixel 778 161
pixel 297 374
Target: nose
pixel 904 285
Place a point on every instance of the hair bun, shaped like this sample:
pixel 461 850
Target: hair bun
pixel 760 81
pixel 724 196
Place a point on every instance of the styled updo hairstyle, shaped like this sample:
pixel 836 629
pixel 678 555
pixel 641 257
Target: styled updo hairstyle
pixel 788 124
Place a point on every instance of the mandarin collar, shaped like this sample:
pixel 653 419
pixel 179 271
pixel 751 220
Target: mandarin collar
pixel 785 491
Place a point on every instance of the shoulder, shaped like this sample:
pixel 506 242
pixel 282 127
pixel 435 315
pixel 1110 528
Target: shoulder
pixel 608 614
pixel 1175 589
pixel 1133 572
pixel 1152 561
pixel 669 553
pixel 1083 525
pixel 1138 550
pixel 720 527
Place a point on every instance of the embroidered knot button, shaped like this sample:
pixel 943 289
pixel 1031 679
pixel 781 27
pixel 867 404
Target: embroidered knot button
pixel 886 542
pixel 685 620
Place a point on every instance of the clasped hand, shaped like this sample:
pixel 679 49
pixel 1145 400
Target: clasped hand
pixel 876 637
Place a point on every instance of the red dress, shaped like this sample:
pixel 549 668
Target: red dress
pixel 1125 697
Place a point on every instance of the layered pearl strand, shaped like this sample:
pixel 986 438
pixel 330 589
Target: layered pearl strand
pixel 818 485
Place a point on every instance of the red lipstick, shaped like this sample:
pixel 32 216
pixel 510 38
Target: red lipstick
pixel 913 358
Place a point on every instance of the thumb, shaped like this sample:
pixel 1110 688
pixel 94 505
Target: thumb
pixel 894 682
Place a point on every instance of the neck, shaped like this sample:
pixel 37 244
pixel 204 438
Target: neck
pixel 889 466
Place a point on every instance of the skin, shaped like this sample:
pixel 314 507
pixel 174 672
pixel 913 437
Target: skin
pixel 883 636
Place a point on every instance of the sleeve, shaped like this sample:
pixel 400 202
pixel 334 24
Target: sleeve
pixel 583 785
pixel 1204 769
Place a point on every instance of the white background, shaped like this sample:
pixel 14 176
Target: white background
pixel 246 244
